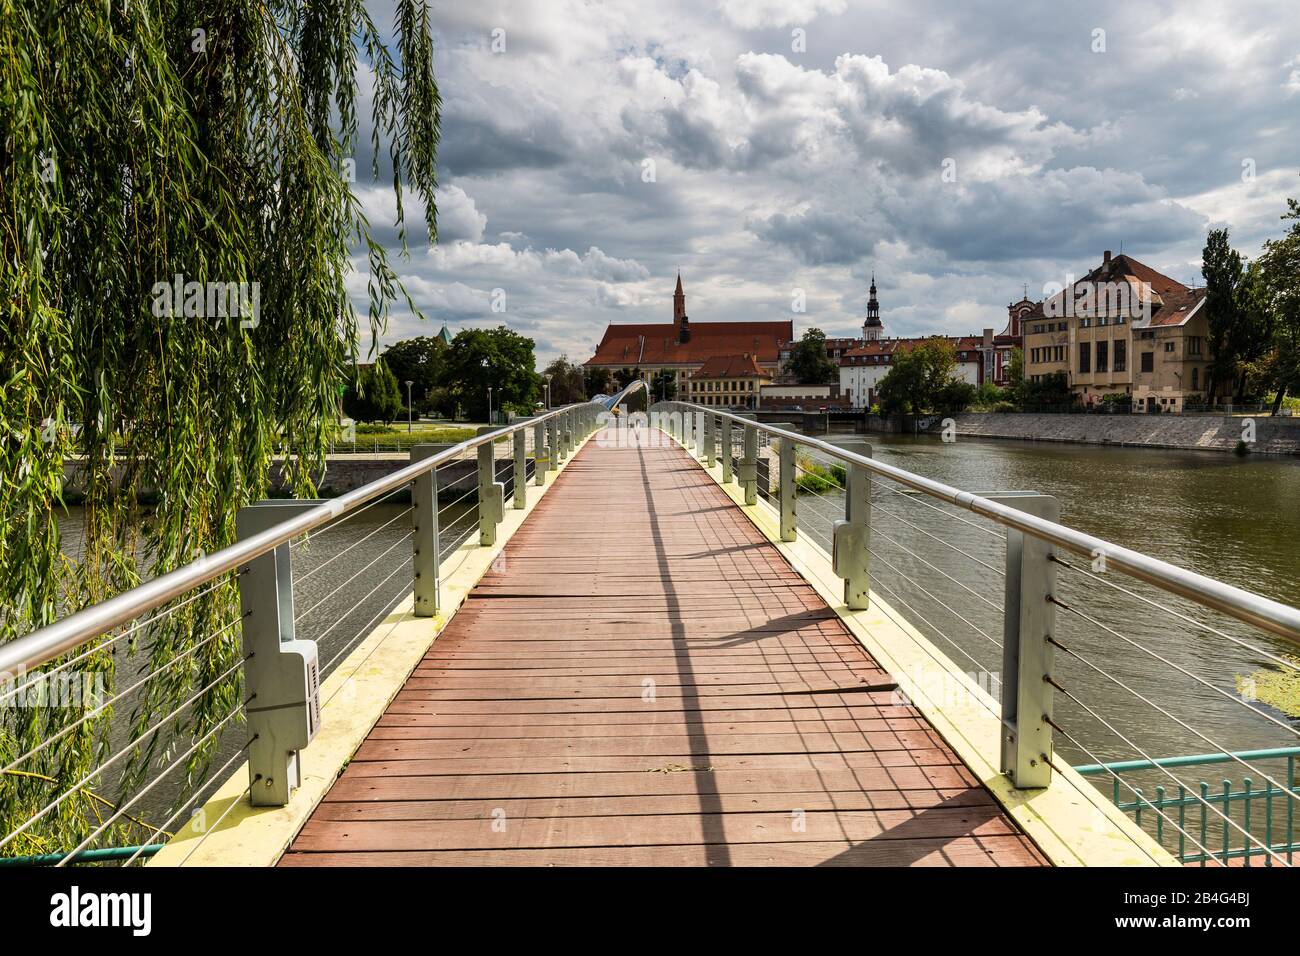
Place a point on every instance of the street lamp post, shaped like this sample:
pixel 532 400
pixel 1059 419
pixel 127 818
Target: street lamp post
pixel 409 383
pixel 548 393
pixel 489 404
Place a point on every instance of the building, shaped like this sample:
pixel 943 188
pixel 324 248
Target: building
pixel 781 396
pixel 863 368
pixel 864 362
pixel 683 347
pixel 1123 329
pixel 727 381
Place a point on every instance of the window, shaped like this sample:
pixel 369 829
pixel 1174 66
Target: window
pixel 1121 355
pixel 1196 378
pixel 1169 346
pixel 1148 361
pixel 1085 357
pixel 1194 346
pixel 1085 322
pixel 1103 356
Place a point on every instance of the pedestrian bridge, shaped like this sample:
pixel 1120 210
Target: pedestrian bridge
pixel 661 641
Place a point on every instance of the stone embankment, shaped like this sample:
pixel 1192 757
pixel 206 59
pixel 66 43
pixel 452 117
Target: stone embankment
pixel 1271 436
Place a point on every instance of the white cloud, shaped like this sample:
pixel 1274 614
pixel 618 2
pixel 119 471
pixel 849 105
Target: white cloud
pixel 752 14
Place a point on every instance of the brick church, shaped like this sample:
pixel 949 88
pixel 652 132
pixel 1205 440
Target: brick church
pixel 683 347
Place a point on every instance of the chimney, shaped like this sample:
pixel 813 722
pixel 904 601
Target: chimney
pixel 1105 257
pixel 988 337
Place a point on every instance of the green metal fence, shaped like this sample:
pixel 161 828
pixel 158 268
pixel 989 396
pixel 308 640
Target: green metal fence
pixel 1258 810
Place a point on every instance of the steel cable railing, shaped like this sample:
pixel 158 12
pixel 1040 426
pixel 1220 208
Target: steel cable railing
pixel 910 577
pixel 205 665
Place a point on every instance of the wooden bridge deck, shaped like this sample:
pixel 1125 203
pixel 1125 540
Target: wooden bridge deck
pixel 644 680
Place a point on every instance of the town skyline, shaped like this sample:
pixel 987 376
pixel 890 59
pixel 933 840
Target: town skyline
pixel 802 146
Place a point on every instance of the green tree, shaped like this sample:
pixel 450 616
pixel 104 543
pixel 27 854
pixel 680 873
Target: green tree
pixel 663 386
pixel 921 378
pixel 625 377
pixel 1221 265
pixel 130 158
pixel 376 395
pixel 808 361
pixel 599 381
pixel 417 360
pixel 1279 288
pixel 499 359
pixel 1052 389
pixel 1016 373
pixel 568 383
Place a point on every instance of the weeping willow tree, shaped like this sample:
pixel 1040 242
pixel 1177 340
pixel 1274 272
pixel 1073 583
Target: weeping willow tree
pixel 149 145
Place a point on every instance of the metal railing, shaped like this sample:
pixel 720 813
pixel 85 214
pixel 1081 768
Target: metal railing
pixel 943 557
pixel 456 491
pixel 1256 806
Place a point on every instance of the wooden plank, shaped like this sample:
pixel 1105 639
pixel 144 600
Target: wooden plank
pixel 987 851
pixel 501 831
pixel 643 680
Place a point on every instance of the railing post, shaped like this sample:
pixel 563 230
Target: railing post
pixel 541 454
pixel 281 673
pixel 749 465
pixel 710 442
pixel 553 448
pixel 787 489
pixel 725 450
pixel 519 494
pixel 1028 659
pixel 850 537
pixel 491 493
pixel 424 516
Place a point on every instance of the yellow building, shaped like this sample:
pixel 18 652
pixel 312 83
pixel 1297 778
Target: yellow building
pixel 728 381
pixel 1123 329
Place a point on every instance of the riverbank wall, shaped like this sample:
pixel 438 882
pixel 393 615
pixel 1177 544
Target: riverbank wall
pixel 1272 436
pixel 343 473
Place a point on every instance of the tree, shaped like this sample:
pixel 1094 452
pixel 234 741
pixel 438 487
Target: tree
pixel 1052 389
pixel 1222 268
pixel 921 378
pixel 599 381
pixel 132 156
pixel 626 376
pixel 663 386
pixel 500 359
pixel 375 396
pixel 1015 375
pixel 568 384
pixel 808 361
pixel 418 360
pixel 1279 282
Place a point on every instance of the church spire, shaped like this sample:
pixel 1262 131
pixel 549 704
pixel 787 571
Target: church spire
pixel 872 327
pixel 680 321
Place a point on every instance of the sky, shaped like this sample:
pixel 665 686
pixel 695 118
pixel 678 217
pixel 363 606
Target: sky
pixel 780 152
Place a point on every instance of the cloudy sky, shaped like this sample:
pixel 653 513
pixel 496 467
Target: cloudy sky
pixel 959 150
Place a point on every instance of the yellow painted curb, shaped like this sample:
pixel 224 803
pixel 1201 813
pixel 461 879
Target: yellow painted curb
pixel 227 830
pixel 1071 822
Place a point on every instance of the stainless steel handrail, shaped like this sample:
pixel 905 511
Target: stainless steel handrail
pixel 1254 609
pixel 48 642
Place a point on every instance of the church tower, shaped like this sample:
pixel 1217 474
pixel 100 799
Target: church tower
pixel 872 327
pixel 680 321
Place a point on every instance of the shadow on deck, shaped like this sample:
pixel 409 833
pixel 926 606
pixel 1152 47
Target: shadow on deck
pixel 643 679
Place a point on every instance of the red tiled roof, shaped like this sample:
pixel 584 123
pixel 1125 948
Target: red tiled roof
pixel 964 343
pixel 1116 270
pixel 730 366
pixel 655 343
pixel 1177 309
